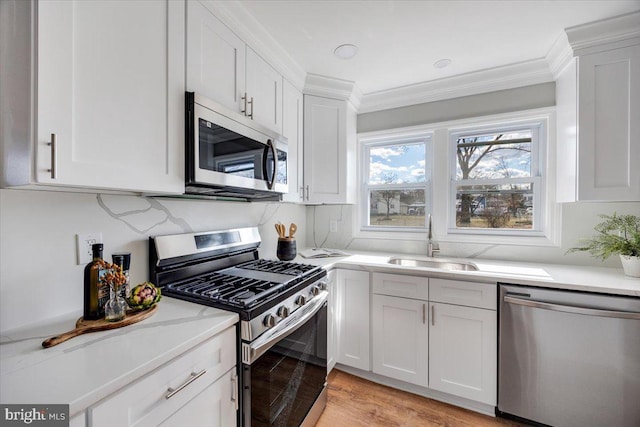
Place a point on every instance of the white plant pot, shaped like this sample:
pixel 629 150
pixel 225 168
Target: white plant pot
pixel 630 265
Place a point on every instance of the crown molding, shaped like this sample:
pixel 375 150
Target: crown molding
pixel 489 80
pixel 605 34
pixel 559 56
pixel 234 15
pixel 331 87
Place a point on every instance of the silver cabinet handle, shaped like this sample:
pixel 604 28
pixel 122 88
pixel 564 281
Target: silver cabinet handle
pixel 301 192
pixel 234 390
pixel 424 313
pixel 244 109
pixel 54 159
pixel 307 192
pixel 251 103
pixel 194 376
pixel 573 309
pixel 433 315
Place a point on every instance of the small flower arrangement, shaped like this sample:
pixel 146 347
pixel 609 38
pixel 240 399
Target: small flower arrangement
pixel 113 275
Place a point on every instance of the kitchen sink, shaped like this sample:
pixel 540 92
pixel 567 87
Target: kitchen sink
pixel 434 263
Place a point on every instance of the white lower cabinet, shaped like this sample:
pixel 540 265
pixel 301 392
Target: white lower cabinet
pixel 198 388
pixel 352 309
pixel 332 320
pixel 401 344
pixel 436 333
pixel 463 351
pixel 210 408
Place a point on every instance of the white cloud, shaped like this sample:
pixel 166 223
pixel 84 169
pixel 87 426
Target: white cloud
pixel 385 152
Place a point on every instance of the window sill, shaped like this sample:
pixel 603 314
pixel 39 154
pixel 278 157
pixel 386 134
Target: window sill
pixel 459 238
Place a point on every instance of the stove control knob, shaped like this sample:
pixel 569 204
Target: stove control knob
pixel 301 300
pixel 315 290
pixel 269 321
pixel 283 311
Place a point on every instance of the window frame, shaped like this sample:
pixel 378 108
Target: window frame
pixel 537 178
pixel 394 139
pixel 551 220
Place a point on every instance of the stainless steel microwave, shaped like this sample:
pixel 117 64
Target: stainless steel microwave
pixel 230 155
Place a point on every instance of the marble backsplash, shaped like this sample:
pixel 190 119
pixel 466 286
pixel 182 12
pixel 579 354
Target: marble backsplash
pixel 578 220
pixel 39 276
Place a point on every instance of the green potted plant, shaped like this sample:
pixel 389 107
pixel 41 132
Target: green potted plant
pixel 617 234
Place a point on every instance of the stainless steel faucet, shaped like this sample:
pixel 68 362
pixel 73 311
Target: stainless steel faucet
pixel 431 247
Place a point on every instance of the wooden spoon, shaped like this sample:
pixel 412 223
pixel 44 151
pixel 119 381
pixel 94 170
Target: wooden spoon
pixel 292 229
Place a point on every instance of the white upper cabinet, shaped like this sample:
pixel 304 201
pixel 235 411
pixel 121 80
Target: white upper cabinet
pixel 292 122
pixel 264 92
pixel 215 58
pixel 329 151
pixel 90 88
pixel 221 67
pixel 598 114
pixel 110 92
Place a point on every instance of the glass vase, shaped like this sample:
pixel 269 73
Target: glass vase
pixel 116 308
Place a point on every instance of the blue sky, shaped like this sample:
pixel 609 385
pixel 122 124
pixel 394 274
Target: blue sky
pixel 406 162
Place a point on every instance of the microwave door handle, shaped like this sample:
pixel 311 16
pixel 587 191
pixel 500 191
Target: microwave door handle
pixel 270 180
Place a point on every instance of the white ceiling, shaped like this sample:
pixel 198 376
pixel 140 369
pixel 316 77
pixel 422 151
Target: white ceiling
pixel 399 41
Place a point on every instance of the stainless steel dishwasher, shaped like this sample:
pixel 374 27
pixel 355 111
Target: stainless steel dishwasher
pixel 569 358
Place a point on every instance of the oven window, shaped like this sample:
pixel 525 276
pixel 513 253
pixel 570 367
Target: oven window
pixel 222 150
pixel 286 381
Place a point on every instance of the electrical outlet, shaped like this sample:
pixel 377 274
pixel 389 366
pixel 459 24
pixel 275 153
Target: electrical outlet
pixel 83 246
pixel 333 226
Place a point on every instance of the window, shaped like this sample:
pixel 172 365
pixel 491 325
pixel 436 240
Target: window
pixel 396 182
pixel 496 184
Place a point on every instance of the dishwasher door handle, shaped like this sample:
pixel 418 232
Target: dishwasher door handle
pixel 572 309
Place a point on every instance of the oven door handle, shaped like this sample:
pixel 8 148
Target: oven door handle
pixel 251 352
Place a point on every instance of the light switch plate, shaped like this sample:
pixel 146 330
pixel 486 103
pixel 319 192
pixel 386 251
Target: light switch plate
pixel 83 246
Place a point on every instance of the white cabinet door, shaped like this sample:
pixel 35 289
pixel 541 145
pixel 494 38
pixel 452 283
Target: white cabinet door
pixel 332 320
pixel 609 125
pixel 110 89
pixel 216 58
pixel 292 130
pixel 329 151
pixel 215 406
pixel 400 339
pixel 463 351
pixel 264 88
pixel 353 311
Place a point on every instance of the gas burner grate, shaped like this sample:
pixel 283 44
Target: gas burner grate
pixel 238 291
pixel 281 267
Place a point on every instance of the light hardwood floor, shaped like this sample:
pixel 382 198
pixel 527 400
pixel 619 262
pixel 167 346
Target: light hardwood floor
pixel 353 402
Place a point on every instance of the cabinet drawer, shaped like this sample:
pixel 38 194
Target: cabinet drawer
pixel 144 403
pixel 399 285
pixel 472 294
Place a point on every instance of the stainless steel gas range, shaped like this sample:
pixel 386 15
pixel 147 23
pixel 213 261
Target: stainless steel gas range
pixel 282 335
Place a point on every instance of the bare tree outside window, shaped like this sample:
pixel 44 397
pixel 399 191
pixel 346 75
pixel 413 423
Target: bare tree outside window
pixel 493 158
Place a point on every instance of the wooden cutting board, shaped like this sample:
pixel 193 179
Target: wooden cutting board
pixel 86 326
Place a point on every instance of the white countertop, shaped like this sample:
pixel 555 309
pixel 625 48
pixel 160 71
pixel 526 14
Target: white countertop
pixel 89 367
pixel 572 277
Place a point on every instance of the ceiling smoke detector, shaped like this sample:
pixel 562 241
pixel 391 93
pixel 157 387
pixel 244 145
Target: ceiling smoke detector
pixel 346 51
pixel 442 63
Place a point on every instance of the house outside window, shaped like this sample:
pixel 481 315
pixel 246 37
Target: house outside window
pixel 396 182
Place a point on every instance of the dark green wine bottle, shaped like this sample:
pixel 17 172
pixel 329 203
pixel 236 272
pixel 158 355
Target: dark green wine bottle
pixel 95 296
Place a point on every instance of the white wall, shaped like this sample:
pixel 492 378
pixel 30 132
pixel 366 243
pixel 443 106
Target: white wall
pixel 578 220
pixel 39 278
